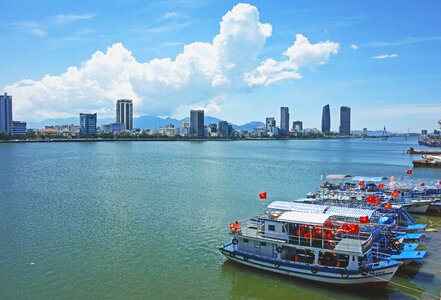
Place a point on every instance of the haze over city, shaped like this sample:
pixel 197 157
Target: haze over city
pixel 239 62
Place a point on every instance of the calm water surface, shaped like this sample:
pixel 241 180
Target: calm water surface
pixel 144 219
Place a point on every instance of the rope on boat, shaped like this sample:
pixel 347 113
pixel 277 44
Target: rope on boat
pixel 407 287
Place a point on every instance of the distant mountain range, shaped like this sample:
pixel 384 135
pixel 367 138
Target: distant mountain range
pixel 143 122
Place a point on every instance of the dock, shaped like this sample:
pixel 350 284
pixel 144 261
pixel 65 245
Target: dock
pixel 423 151
pixel 421 163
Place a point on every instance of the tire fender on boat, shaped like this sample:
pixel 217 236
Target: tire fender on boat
pixel 232 254
pixel 314 270
pixel 277 264
pixel 235 241
pixel 245 258
pixel 279 249
pixel 345 273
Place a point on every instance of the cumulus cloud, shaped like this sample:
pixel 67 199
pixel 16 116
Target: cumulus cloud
pixel 385 56
pixel 302 54
pixel 354 47
pixel 201 75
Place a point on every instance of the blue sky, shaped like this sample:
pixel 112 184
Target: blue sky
pixel 381 58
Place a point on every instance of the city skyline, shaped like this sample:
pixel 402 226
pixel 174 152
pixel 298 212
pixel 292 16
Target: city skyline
pixel 389 75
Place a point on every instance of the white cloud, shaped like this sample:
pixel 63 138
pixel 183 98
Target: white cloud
pixel 385 56
pixel 354 47
pixel 300 55
pixel 406 41
pixel 33 28
pixel 202 74
pixel 170 15
pixel 64 19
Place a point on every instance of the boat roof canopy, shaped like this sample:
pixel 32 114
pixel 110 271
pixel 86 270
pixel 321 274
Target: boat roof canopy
pixel 338 176
pixel 350 212
pixel 368 178
pixel 336 211
pixel 303 218
pixel 298 207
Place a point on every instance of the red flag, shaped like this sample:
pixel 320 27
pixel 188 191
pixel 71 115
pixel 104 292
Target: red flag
pixel 262 195
pixel 388 206
pixel 409 172
pixel 364 219
pixel 370 199
pixel 395 194
pixel 422 184
pixel 381 186
pixel 361 183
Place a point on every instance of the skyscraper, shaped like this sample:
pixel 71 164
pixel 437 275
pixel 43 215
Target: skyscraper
pixel 88 124
pixel 345 120
pixel 271 129
pixel 297 126
pixel 326 119
pixel 6 113
pixel 124 113
pixel 284 121
pixel 197 123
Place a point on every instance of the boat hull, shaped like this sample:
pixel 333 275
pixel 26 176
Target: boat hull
pixel 377 278
pixel 418 208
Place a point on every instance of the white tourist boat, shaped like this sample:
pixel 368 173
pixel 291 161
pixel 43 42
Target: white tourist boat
pixel 307 245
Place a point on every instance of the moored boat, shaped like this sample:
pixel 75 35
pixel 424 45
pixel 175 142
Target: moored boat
pixel 308 245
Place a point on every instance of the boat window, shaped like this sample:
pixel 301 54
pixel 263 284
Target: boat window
pixel 283 229
pixel 271 227
pixel 245 240
pixel 256 244
pixel 332 259
pixel 262 244
pixel 300 255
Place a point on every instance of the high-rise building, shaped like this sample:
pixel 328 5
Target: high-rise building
pixel 184 130
pixel 326 119
pixel 284 121
pixel 365 132
pixel 225 129
pixel 6 113
pixel 19 128
pixel 124 113
pixel 197 123
pixel 88 124
pixel 345 120
pixel 271 129
pixel 297 126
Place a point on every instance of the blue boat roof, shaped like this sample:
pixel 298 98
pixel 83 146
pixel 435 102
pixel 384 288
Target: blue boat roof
pixel 368 178
pixel 409 254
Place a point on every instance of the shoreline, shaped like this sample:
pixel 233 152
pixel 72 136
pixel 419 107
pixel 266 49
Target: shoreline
pixel 91 140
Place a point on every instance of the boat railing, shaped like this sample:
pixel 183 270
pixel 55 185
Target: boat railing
pixel 256 230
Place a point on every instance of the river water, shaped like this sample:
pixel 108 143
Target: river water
pixel 143 220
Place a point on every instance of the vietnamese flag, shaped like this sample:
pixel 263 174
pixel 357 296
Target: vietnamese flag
pixel 409 172
pixel 381 186
pixel 361 183
pixel 422 184
pixel 262 195
pixel 395 194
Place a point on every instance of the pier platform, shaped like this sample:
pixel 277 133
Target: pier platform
pixel 421 163
pixel 423 151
